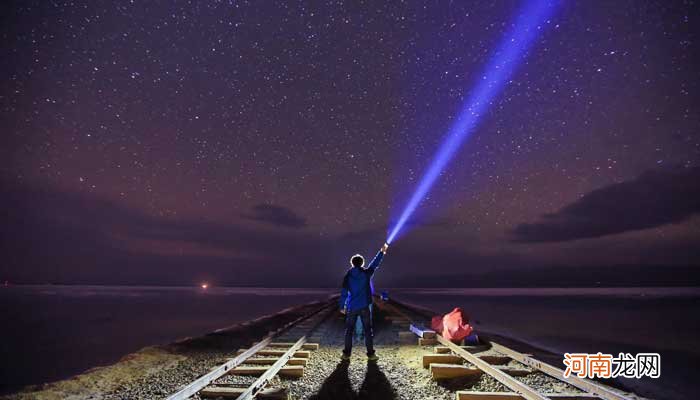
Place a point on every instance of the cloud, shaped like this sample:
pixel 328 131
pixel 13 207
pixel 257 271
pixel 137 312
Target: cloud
pixel 277 216
pixel 51 235
pixel 653 199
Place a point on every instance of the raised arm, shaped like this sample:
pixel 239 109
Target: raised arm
pixel 377 260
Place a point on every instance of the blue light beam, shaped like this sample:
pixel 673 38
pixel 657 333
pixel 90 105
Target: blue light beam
pixel 498 71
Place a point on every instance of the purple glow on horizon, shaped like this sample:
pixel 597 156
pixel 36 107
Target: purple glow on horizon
pixel 500 68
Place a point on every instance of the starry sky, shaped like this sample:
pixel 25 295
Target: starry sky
pixel 264 143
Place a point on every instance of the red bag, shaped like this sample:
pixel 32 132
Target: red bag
pixel 436 324
pixel 455 326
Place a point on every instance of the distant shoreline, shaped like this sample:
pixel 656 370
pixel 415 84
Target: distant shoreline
pixel 697 287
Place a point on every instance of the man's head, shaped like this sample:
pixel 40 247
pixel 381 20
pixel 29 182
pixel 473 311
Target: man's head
pixel 357 261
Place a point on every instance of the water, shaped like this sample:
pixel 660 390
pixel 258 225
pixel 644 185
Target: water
pixel 589 320
pixel 52 332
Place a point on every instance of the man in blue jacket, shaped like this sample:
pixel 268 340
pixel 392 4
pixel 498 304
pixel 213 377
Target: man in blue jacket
pixel 356 298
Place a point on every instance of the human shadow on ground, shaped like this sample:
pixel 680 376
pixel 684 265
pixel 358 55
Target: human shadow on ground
pixel 337 386
pixel 376 385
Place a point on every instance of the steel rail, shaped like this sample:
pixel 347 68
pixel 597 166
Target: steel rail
pixel 208 378
pixel 270 373
pixel 583 384
pixel 513 384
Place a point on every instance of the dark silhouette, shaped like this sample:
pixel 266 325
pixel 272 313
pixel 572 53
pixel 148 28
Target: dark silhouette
pixel 337 386
pixel 376 385
pixel 356 300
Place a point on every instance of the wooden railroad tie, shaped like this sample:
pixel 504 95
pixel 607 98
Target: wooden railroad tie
pixel 495 359
pixel 451 371
pixel 278 353
pixel 441 350
pixel 491 359
pixel 468 395
pixel 427 342
pixel 426 337
pixel 441 359
pixel 452 367
pixel 514 371
pixel 272 360
pixel 226 392
pixel 305 346
pixel 290 371
pixel 256 366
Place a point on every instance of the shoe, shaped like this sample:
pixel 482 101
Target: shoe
pixel 372 357
pixel 345 357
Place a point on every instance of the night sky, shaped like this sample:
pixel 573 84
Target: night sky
pixel 264 143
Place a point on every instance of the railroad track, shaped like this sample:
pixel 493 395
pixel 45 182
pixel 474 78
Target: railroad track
pixel 285 351
pixel 500 362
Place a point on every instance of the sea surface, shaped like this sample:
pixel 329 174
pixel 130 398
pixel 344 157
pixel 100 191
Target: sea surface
pixel 53 332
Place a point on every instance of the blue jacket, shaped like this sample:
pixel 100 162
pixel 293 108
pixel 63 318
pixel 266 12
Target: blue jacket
pixel 356 293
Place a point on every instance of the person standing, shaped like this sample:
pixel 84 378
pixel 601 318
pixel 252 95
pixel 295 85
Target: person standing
pixel 356 298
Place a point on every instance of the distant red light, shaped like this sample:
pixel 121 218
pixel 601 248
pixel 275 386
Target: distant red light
pixel 204 285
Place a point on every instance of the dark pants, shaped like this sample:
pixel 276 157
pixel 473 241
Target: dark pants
pixel 365 315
